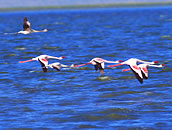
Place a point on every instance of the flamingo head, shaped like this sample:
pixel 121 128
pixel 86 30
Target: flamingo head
pixel 155 62
pixel 63 57
pixel 163 64
pixel 120 61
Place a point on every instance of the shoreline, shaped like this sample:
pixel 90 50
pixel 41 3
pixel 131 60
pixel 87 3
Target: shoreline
pixel 120 5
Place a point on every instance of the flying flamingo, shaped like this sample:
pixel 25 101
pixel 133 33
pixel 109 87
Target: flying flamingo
pixel 43 59
pixel 143 68
pixel 58 66
pixel 98 64
pixel 132 62
pixel 27 27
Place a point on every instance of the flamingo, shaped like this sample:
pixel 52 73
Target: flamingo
pixel 132 62
pixel 143 68
pixel 58 66
pixel 27 27
pixel 98 64
pixel 43 59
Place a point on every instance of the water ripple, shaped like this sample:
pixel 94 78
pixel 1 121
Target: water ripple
pixel 80 98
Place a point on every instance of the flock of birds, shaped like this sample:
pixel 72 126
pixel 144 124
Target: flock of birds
pixel 140 71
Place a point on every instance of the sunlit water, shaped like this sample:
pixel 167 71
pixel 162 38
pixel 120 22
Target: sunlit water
pixel 79 98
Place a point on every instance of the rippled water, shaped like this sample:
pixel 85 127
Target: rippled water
pixel 80 98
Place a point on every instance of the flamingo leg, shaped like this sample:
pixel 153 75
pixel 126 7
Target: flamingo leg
pixel 82 64
pixel 125 70
pixel 114 65
pixel 25 61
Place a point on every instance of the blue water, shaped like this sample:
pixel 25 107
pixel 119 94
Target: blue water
pixel 79 98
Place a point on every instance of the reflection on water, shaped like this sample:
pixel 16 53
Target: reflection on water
pixel 80 98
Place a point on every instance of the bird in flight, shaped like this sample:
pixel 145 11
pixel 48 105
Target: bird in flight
pixel 27 28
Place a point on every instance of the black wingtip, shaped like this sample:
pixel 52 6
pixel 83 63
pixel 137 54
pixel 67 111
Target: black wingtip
pixel 144 76
pixel 56 68
pixel 43 66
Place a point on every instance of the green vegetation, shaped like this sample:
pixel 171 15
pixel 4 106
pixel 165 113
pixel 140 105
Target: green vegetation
pixel 132 5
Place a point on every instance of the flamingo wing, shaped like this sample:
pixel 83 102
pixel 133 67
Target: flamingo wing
pixel 137 75
pixel 102 68
pixel 44 68
pixel 26 25
pixel 56 67
pixel 98 66
pixel 103 65
pixel 144 72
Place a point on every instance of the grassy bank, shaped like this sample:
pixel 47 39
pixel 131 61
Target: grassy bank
pixel 121 5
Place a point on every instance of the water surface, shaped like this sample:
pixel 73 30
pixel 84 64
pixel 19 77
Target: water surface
pixel 81 98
